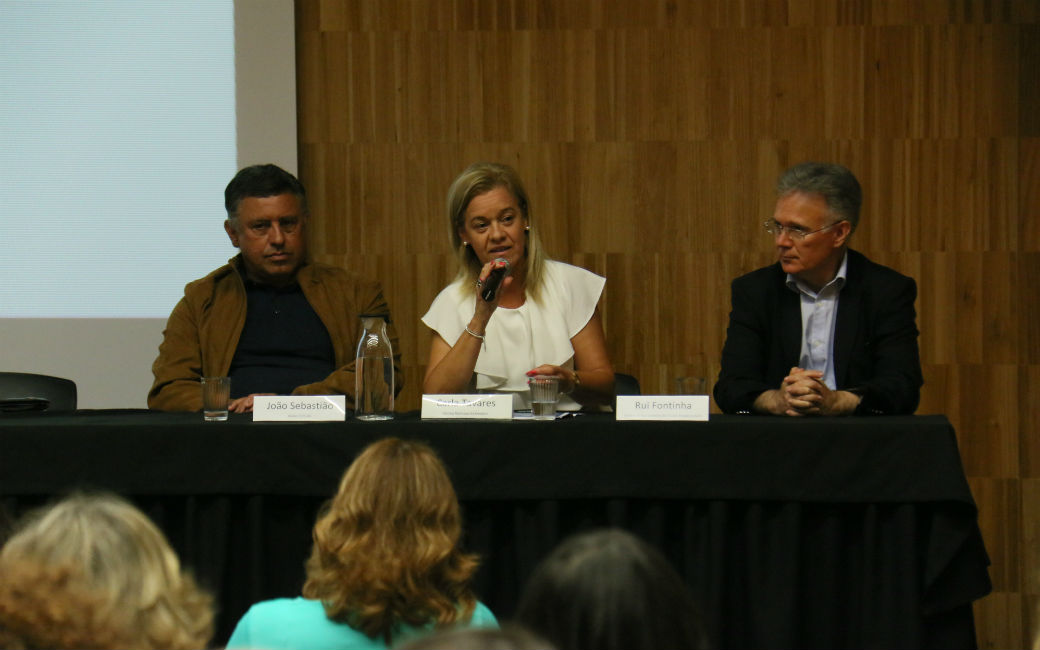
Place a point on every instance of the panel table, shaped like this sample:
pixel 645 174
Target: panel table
pixel 821 532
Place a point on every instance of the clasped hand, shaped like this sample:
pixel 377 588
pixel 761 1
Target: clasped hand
pixel 804 392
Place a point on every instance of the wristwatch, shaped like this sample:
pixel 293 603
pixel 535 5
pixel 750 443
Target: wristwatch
pixel 575 380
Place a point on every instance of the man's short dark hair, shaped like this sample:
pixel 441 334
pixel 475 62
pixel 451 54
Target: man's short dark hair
pixel 836 184
pixel 262 181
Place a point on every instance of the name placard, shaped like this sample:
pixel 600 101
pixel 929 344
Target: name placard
pixel 299 408
pixel 662 407
pixel 467 407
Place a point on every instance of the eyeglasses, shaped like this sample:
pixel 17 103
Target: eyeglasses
pixel 260 228
pixel 794 232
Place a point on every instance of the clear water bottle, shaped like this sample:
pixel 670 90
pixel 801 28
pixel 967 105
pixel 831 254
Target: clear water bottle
pixel 374 371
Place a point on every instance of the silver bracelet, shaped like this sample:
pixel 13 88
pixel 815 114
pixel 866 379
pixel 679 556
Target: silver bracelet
pixel 474 334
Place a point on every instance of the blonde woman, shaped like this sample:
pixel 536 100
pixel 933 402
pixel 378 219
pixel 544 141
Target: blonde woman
pixel 544 318
pixel 102 549
pixel 385 565
pixel 49 607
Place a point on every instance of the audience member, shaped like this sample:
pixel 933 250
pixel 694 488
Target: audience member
pixel 609 590
pixel 50 607
pixel 102 554
pixel 385 565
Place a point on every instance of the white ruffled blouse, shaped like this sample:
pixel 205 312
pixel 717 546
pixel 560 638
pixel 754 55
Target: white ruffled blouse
pixel 520 339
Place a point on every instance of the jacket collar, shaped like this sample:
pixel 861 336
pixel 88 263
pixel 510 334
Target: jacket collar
pixel 846 329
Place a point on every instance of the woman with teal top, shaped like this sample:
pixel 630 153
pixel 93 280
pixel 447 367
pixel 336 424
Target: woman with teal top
pixel 385 566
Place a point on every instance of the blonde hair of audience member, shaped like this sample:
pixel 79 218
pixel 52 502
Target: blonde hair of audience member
pixel 49 607
pixel 386 547
pixel 125 561
pixel 480 178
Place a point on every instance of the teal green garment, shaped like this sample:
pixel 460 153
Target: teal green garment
pixel 292 623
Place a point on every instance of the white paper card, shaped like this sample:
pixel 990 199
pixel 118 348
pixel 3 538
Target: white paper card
pixel 299 408
pixel 490 406
pixel 662 407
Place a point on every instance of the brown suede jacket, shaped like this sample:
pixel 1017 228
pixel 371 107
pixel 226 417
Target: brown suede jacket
pixel 202 333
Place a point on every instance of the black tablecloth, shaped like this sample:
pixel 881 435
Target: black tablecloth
pixel 856 532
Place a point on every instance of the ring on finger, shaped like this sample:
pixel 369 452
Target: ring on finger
pixel 479 283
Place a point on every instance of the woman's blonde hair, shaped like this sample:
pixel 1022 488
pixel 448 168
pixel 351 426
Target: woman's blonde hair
pixel 480 178
pixel 44 606
pixel 386 547
pixel 125 560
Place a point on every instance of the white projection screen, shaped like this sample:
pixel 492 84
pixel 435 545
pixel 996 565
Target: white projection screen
pixel 121 122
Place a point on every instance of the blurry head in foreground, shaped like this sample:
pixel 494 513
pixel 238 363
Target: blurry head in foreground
pixel 49 607
pixel 386 548
pixel 103 555
pixel 609 590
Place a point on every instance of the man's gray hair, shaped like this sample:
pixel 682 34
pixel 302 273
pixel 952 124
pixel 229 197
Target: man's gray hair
pixel 835 183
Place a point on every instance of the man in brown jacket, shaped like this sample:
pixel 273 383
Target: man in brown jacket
pixel 271 319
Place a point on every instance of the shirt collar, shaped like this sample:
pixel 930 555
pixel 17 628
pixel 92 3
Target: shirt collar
pixel 796 285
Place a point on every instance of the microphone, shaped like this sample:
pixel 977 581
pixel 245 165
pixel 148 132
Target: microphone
pixel 498 273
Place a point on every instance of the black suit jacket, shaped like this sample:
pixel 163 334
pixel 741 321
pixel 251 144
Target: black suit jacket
pixel 875 338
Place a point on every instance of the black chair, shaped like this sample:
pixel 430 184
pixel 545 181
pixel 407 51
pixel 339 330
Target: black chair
pixel 21 392
pixel 626 384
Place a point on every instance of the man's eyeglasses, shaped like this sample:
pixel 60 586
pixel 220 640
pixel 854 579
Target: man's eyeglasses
pixel 260 228
pixel 794 232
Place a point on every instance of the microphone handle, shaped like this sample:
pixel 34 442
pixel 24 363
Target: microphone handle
pixel 492 283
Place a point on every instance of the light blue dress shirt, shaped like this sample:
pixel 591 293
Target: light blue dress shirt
pixel 819 317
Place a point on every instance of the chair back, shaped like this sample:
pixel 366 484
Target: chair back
pixel 626 384
pixel 21 392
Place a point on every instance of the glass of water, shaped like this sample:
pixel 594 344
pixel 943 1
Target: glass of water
pixel 545 391
pixel 216 394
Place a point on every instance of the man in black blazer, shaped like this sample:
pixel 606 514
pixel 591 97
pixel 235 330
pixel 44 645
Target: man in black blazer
pixel 824 331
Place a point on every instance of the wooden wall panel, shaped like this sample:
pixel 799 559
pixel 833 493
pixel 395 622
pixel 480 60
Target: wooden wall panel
pixel 649 134
pixel 1029 190
pixel 999 617
pixel 1030 538
pixel 1029 421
